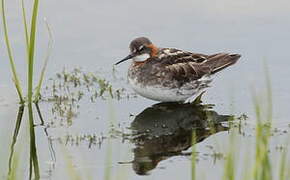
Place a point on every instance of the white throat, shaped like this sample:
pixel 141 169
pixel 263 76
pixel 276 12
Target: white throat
pixel 141 57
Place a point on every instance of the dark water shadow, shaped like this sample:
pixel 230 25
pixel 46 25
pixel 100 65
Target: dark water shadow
pixel 165 130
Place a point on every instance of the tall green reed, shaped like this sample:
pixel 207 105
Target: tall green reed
pixel 30 43
pixel 31 50
pixel 10 54
pixel 262 167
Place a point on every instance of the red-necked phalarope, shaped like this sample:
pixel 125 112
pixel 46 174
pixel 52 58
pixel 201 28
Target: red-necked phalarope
pixel 172 75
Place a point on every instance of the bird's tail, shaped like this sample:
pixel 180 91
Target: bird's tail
pixel 218 62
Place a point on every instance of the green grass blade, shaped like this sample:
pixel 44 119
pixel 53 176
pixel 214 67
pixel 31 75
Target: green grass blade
pixel 33 151
pixel 193 156
pixel 31 49
pixel 12 169
pixel 49 48
pixel 25 27
pixel 262 167
pixel 31 53
pixel 10 54
pixel 15 167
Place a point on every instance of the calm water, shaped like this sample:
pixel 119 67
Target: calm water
pixel 94 35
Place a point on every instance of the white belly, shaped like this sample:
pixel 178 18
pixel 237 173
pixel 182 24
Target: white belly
pixel 159 93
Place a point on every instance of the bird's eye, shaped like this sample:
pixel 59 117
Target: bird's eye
pixel 141 48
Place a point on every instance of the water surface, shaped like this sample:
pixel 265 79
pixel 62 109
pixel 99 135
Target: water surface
pixel 94 35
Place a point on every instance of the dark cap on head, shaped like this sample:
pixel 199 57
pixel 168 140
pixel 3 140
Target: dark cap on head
pixel 138 42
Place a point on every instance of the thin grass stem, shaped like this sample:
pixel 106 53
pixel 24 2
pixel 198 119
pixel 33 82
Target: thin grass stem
pixel 193 156
pixel 49 49
pixel 33 152
pixel 25 27
pixel 14 140
pixel 31 50
pixel 10 55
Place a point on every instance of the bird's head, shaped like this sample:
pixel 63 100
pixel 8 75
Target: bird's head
pixel 140 50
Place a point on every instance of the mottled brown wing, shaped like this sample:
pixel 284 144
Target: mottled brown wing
pixel 179 67
pixel 182 65
pixel 169 56
pixel 186 66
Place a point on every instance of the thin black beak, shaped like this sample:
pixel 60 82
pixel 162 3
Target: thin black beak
pixel 130 56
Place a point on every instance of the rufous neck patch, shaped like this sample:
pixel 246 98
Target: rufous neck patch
pixel 154 50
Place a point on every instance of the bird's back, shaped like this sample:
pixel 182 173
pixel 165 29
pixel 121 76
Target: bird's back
pixel 184 67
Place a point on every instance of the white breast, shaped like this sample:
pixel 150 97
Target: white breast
pixel 142 57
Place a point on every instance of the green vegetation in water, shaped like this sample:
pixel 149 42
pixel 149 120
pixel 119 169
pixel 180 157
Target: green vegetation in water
pixel 230 159
pixel 68 88
pixel 76 140
pixel 261 167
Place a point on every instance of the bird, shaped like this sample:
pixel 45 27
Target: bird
pixel 169 74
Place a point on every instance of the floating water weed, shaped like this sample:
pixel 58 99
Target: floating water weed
pixel 68 89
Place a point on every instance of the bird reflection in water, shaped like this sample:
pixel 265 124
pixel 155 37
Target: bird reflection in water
pixel 165 130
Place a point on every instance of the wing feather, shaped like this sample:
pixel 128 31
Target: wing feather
pixel 183 67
